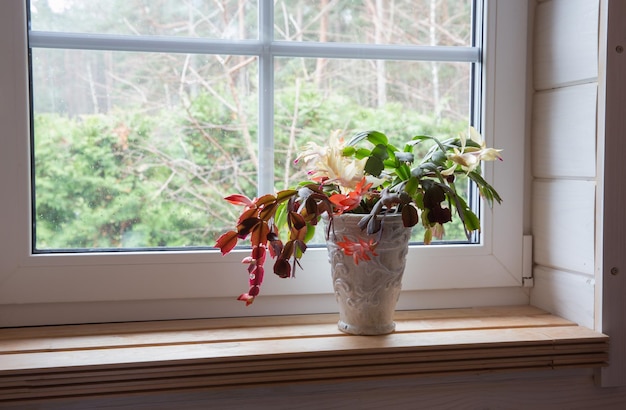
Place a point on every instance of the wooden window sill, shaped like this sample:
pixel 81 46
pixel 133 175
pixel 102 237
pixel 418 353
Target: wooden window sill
pixel 123 358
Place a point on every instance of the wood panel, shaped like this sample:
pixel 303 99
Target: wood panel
pixel 559 389
pixel 565 42
pixel 566 294
pixel 76 361
pixel 564 132
pixel 564 224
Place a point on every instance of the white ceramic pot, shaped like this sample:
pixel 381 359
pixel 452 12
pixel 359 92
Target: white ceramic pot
pixel 367 292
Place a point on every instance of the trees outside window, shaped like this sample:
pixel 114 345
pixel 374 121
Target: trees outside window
pixel 136 149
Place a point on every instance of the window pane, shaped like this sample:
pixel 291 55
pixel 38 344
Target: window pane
pixel 227 19
pixel 401 99
pixel 137 149
pixel 418 22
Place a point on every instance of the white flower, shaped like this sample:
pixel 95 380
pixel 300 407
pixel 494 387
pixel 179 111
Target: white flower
pixel 328 164
pixel 469 157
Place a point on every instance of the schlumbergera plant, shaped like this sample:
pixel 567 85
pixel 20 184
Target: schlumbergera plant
pixel 365 175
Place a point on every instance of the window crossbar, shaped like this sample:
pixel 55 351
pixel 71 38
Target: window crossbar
pixel 162 44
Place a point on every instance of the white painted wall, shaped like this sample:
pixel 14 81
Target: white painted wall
pixel 578 198
pixel 563 157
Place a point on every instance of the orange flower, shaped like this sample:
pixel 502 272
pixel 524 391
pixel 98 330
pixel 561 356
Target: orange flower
pixel 360 251
pixel 348 202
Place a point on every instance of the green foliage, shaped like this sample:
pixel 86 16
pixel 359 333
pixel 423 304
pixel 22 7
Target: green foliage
pixel 131 179
pixel 94 188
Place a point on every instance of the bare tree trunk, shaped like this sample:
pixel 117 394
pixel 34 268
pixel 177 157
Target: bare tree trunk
pixel 92 90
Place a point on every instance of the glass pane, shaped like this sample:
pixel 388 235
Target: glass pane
pixel 137 150
pixel 401 99
pixel 417 22
pixel 227 19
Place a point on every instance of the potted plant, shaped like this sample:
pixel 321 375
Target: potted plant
pixel 372 183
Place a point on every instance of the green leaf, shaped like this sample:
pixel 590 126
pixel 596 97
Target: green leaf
pixel 362 153
pixel 404 172
pixel 348 151
pixel 418 172
pixel 310 232
pixel 380 151
pixel 377 138
pixel 472 223
pixel 428 236
pixel 404 156
pixel 438 158
pixel 411 186
pixel 419 138
pixel 358 137
pixel 419 200
pixel 280 217
pixel 486 191
pixel 374 166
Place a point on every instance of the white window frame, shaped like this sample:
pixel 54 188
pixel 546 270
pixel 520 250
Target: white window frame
pixel 75 288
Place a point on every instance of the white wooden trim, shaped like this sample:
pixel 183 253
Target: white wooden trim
pixel 614 202
pixel 567 294
pixel 566 34
pixel 564 125
pixel 564 224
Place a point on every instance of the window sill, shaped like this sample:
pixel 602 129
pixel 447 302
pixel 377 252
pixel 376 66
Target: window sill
pixel 83 360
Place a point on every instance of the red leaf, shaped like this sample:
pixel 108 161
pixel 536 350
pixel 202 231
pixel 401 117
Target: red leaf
pixel 256 276
pixel 259 233
pixel 247 214
pixel 268 211
pixel 296 220
pixel 258 254
pixel 276 245
pixel 282 195
pixel 246 297
pixel 287 250
pixel 282 268
pixel 238 199
pixel 265 199
pixel 245 227
pixel 227 242
pixel 409 216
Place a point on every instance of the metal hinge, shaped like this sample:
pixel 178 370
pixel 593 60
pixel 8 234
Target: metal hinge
pixel 528 280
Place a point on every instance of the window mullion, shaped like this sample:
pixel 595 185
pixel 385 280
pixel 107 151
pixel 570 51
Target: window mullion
pixel 266 99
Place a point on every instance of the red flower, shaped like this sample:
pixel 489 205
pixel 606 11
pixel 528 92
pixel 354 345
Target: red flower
pixel 361 250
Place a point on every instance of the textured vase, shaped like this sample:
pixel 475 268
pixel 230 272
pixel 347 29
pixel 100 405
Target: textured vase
pixel 367 292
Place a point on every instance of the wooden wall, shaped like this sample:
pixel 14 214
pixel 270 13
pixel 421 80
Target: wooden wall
pixel 563 157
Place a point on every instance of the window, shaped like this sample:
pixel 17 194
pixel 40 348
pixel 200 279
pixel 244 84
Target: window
pixel 40 284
